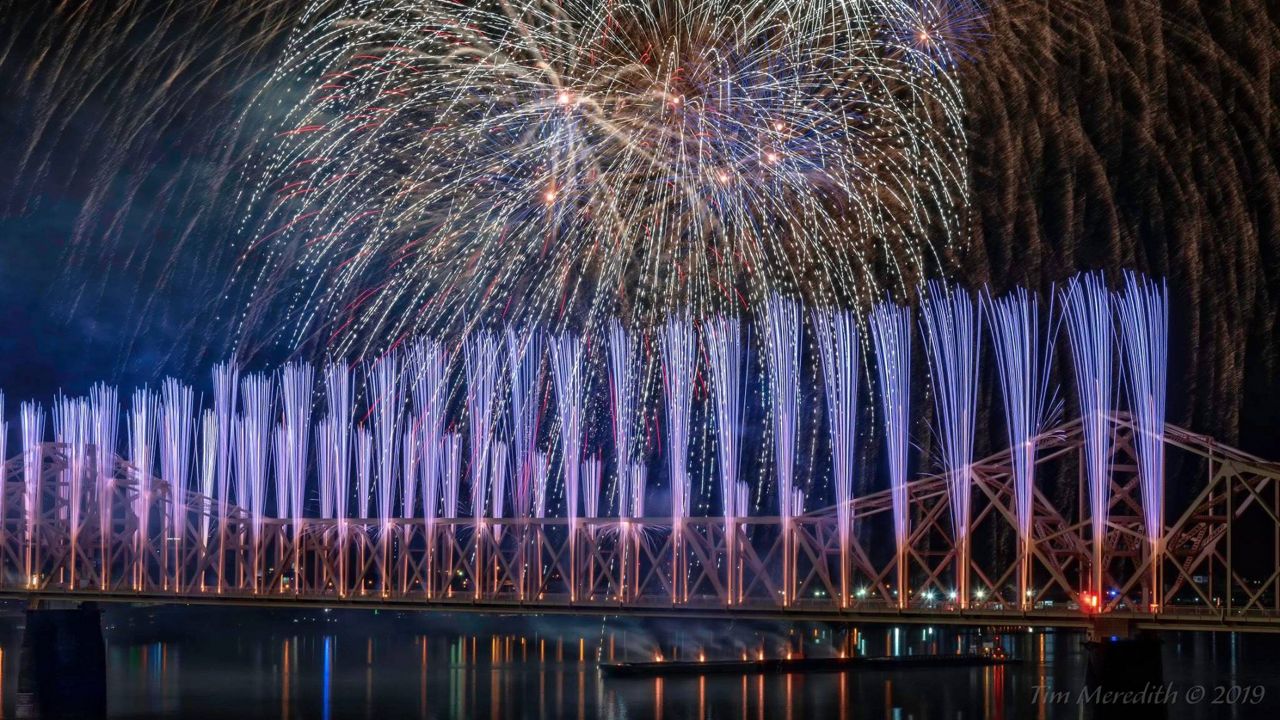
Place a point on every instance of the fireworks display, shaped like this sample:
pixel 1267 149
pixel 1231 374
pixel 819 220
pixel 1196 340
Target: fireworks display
pixel 1023 353
pixel 837 332
pixel 1088 315
pixel 726 355
pixel 145 159
pixel 1143 312
pixel 546 255
pixel 952 333
pixel 891 333
pixel 581 160
pixel 409 442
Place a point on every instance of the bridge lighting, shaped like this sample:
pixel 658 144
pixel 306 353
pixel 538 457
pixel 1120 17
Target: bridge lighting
pixel 862 592
pixel 952 595
pixel 980 593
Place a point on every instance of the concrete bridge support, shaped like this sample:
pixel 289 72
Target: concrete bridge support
pixel 63 663
pixel 1124 660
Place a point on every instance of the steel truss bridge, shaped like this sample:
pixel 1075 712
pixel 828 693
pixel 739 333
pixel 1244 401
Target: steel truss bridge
pixel 1218 566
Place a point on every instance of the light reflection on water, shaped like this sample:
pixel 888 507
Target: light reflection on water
pixel 546 668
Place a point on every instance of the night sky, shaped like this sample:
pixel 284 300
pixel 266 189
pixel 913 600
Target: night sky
pixel 1102 134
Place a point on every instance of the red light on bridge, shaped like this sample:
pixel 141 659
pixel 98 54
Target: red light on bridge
pixel 1089 601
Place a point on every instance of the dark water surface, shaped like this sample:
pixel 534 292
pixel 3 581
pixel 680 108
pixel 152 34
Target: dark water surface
pixel 244 665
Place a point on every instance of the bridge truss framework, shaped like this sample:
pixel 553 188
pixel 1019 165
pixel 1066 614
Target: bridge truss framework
pixel 1217 567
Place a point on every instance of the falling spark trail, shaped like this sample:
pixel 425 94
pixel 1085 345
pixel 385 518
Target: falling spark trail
pixel 296 383
pixel 452 473
pixel 104 406
pixel 280 459
pixel 679 358
pixel 1143 308
pixel 364 477
pixel 411 456
pixel 337 384
pixel 891 336
pixel 143 414
pixel 386 400
pixel 429 364
pixel 524 365
pixel 208 468
pixel 541 469
pixel 500 457
pixel 177 433
pixel 1024 356
pixel 32 420
pixel 722 337
pixel 483 365
pixel 1087 305
pixel 837 332
pixel 952 332
pixel 364 470
pixel 226 380
pixel 622 395
pixel 639 477
pixel 333 488
pixel 326 473
pixel 71 423
pixel 783 344
pixel 592 477
pixel 252 453
pixel 567 373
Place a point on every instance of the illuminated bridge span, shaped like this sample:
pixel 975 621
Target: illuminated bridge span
pixel 70 533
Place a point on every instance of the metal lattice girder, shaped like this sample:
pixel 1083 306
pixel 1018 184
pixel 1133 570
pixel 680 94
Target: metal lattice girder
pixel 753 566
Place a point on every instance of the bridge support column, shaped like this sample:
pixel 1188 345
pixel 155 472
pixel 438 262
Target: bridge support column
pixel 63 663
pixel 1125 660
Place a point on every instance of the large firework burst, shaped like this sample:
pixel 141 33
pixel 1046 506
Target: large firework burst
pixel 569 161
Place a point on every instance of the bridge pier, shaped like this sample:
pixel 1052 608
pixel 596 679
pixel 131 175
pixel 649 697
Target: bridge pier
pixel 1123 659
pixel 62 670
